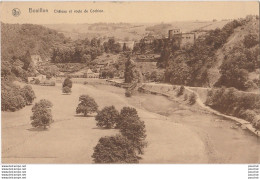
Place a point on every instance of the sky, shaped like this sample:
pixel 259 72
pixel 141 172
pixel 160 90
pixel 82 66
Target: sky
pixel 129 12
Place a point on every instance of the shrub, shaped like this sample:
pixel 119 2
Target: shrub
pixel 192 98
pixel 256 123
pixel 180 91
pixel 114 149
pixel 250 40
pixel 87 105
pixel 66 90
pixel 28 94
pixel 248 115
pixel 12 97
pixel 107 117
pixel 37 82
pixel 42 116
pixel 128 93
pixel 67 82
pixel 11 102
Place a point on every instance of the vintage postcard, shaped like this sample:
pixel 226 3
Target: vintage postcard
pixel 130 82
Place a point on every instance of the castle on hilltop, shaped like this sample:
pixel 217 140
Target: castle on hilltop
pixel 182 38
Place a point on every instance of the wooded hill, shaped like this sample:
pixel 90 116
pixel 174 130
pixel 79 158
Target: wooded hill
pixel 223 57
pixel 19 38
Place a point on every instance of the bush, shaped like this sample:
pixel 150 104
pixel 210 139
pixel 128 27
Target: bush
pixel 14 98
pixel 42 116
pixel 107 117
pixel 248 115
pixel 128 93
pixel 28 94
pixel 256 123
pixel 11 102
pixel 66 90
pixel 180 91
pixel 250 40
pixel 37 82
pixel 67 82
pixel 192 99
pixel 114 149
pixel 86 105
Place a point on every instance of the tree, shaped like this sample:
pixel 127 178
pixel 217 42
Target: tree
pixel 124 47
pixel 251 40
pixel 28 94
pixel 180 91
pixel 26 60
pixel 134 130
pixel 43 103
pixel 125 113
pixel 66 90
pixel 87 105
pixel 11 97
pixel 37 82
pixel 42 116
pixel 130 71
pixel 114 149
pixel 132 127
pixel 192 99
pixel 67 82
pixel 107 117
pixel 128 93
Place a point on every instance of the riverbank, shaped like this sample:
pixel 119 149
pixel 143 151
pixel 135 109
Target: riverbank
pixel 168 91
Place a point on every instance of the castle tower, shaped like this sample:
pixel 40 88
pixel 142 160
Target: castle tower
pixel 170 34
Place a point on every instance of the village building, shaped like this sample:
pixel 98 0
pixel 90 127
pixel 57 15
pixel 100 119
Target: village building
pixel 182 38
pixel 85 73
pixel 147 58
pixel 90 74
pixel 39 77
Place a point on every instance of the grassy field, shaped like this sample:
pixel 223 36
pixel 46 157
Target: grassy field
pixel 178 137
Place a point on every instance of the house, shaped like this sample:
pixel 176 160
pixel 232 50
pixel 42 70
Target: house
pixel 181 38
pixel 39 77
pixel 90 74
pixel 147 58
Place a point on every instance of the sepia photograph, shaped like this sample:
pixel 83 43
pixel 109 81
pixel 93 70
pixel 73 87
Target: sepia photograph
pixel 130 82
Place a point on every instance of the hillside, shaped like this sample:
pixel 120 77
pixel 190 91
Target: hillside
pixel 222 57
pixel 236 40
pixel 17 39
